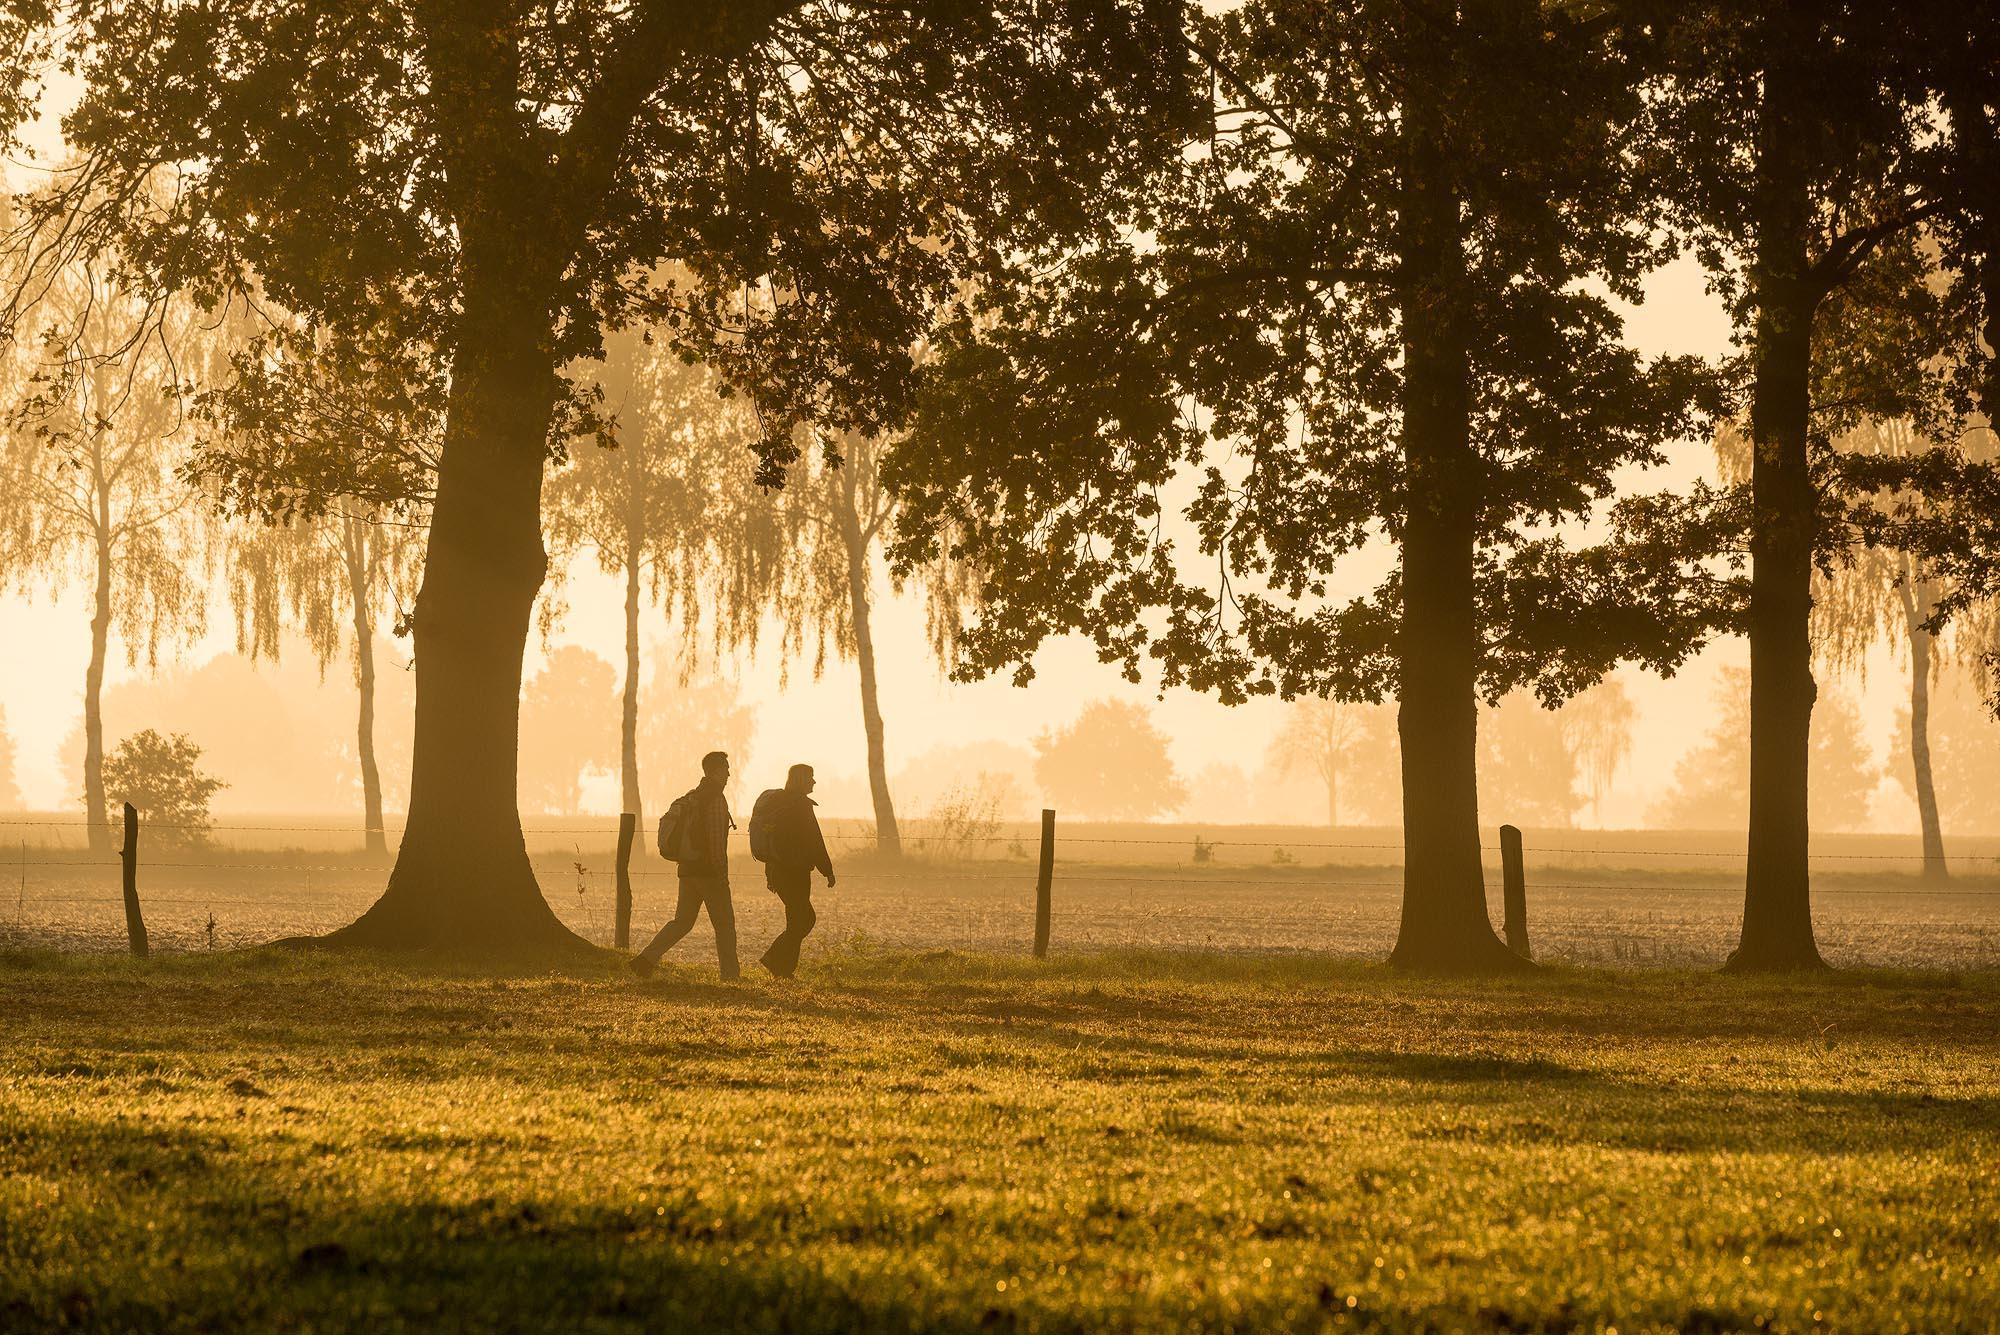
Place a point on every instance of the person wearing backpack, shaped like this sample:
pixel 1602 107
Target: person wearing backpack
pixel 785 836
pixel 695 834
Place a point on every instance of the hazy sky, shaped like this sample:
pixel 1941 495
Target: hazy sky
pixel 46 646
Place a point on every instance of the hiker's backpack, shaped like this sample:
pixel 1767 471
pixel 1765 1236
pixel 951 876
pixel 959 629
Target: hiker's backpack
pixel 673 829
pixel 764 817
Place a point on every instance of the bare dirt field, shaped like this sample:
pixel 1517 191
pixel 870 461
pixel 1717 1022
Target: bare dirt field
pixel 1618 897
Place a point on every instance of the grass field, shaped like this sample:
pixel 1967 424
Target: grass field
pixel 908 1140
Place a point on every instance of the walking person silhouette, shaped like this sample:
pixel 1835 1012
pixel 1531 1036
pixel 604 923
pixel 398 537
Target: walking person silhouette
pixel 785 836
pixel 695 834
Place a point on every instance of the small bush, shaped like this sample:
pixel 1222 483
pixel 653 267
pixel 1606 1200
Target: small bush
pixel 161 776
pixel 966 817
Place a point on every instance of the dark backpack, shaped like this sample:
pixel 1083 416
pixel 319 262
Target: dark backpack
pixel 764 818
pixel 673 829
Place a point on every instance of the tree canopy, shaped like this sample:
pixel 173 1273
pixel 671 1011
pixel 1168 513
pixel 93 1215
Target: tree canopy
pixel 1368 301
pixel 512 180
pixel 1255 287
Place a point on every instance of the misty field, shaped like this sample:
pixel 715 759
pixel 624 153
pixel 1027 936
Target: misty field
pixel 1627 898
pixel 963 1141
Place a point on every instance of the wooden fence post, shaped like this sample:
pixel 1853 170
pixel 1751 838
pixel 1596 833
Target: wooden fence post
pixel 135 925
pixel 1514 883
pixel 628 826
pixel 1042 879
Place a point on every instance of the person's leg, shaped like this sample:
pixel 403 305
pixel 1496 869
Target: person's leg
pixel 807 918
pixel 722 917
pixel 794 891
pixel 685 912
pixel 774 881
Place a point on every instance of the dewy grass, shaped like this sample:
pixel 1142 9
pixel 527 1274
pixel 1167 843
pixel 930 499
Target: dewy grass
pixel 959 1142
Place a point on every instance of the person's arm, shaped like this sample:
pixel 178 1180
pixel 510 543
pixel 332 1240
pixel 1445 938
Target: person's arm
pixel 821 859
pixel 724 823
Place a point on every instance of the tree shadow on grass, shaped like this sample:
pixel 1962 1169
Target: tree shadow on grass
pixel 212 1242
pixel 1547 1009
pixel 253 1252
pixel 189 1236
pixel 1481 1083
pixel 1542 1101
pixel 583 959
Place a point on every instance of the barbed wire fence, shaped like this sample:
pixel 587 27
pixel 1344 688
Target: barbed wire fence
pixel 313 889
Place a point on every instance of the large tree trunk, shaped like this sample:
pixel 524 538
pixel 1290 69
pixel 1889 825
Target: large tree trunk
pixel 888 838
pixel 360 594
pixel 1444 925
pixel 95 808
pixel 1777 895
pixel 462 877
pixel 1935 868
pixel 522 203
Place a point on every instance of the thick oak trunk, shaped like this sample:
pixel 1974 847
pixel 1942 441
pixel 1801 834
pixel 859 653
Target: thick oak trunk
pixel 1445 927
pixel 1777 895
pixel 523 202
pixel 462 878
pixel 360 568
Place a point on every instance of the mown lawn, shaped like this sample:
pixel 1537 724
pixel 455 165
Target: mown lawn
pixel 959 1142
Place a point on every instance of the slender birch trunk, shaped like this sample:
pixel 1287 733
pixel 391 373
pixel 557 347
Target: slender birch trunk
pixel 359 553
pixel 1921 655
pixel 95 807
pixel 628 720
pixel 888 837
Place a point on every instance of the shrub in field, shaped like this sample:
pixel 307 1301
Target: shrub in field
pixel 162 777
pixel 966 817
